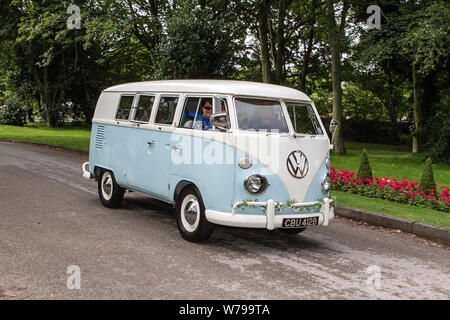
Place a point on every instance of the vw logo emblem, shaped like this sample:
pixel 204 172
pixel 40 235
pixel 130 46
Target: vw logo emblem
pixel 297 164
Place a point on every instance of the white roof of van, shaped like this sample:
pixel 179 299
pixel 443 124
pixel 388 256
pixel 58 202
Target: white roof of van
pixel 244 88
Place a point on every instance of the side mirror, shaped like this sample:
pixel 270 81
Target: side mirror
pixel 333 125
pixel 220 121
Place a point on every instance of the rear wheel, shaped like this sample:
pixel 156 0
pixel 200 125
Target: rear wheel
pixel 110 193
pixel 293 231
pixel 190 215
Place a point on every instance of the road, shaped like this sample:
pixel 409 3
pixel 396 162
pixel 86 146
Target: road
pixel 51 219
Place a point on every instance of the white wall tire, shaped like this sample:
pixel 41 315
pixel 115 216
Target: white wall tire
pixel 107 185
pixel 190 213
pixel 190 216
pixel 110 193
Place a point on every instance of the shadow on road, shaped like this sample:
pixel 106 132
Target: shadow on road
pixel 227 236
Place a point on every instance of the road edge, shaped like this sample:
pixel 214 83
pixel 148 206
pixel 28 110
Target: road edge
pixel 427 231
pixel 50 146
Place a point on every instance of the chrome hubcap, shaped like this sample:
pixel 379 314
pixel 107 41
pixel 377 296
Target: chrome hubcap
pixel 191 212
pixel 107 185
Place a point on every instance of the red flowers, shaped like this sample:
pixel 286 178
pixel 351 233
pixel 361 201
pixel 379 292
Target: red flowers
pixel 404 191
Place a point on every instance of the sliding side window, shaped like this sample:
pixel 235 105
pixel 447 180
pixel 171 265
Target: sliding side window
pixel 166 110
pixel 144 108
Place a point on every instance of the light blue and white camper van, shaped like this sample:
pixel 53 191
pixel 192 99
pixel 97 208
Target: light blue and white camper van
pixel 231 153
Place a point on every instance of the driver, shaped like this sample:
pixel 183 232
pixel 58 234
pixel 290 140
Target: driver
pixel 202 120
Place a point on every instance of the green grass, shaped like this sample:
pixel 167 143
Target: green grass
pixel 419 214
pixel 389 161
pixel 69 137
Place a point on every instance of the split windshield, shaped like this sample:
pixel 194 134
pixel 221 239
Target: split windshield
pixel 260 115
pixel 267 115
pixel 303 118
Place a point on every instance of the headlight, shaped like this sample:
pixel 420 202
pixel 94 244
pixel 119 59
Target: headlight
pixel 326 183
pixel 255 183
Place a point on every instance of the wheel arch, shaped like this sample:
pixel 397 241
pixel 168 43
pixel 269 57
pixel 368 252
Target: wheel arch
pixel 181 186
pixel 98 169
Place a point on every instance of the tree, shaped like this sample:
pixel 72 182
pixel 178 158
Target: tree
pixel 426 42
pixel 427 179
pixel 336 34
pixel 411 48
pixel 65 69
pixel 262 23
pixel 201 41
pixel 364 171
pixel 307 35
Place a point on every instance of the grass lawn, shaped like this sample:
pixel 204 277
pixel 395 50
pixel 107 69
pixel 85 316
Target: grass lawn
pixel 389 161
pixel 419 214
pixel 74 138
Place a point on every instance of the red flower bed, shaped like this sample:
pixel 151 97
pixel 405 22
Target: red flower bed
pixel 404 191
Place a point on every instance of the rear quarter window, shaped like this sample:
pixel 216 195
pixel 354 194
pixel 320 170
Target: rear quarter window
pixel 125 104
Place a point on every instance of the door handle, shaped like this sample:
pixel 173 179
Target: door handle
pixel 177 148
pixel 151 143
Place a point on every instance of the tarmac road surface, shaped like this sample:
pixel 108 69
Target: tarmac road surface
pixel 52 219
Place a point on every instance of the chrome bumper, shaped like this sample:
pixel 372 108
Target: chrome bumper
pixel 269 221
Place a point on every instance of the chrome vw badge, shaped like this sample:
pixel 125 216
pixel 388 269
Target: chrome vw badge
pixel 297 164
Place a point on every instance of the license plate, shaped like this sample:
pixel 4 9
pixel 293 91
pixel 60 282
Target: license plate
pixel 299 222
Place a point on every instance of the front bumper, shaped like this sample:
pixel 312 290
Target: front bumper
pixel 270 220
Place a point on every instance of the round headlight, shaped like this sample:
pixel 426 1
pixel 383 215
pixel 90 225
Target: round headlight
pixel 326 183
pixel 255 183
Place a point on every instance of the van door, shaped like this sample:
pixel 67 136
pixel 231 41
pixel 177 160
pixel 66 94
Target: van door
pixel 137 141
pixel 203 155
pixel 150 149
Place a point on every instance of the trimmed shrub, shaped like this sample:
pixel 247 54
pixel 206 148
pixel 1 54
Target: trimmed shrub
pixel 427 180
pixel 365 171
pixel 12 113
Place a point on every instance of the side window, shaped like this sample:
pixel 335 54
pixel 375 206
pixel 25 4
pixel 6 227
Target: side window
pixel 303 119
pixel 166 110
pixel 221 106
pixel 124 107
pixel 190 112
pixel 197 112
pixel 144 108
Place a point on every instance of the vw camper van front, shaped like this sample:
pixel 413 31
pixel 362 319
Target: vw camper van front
pixel 281 176
pixel 232 153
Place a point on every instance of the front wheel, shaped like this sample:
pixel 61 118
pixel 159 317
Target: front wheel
pixel 110 193
pixel 190 215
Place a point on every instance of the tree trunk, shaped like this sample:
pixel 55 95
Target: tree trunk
pixel 392 109
pixel 281 43
pixel 307 55
pixel 417 117
pixel 263 41
pixel 334 36
pixel 309 46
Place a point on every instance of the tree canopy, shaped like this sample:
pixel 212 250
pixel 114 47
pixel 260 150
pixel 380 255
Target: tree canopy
pixel 393 79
